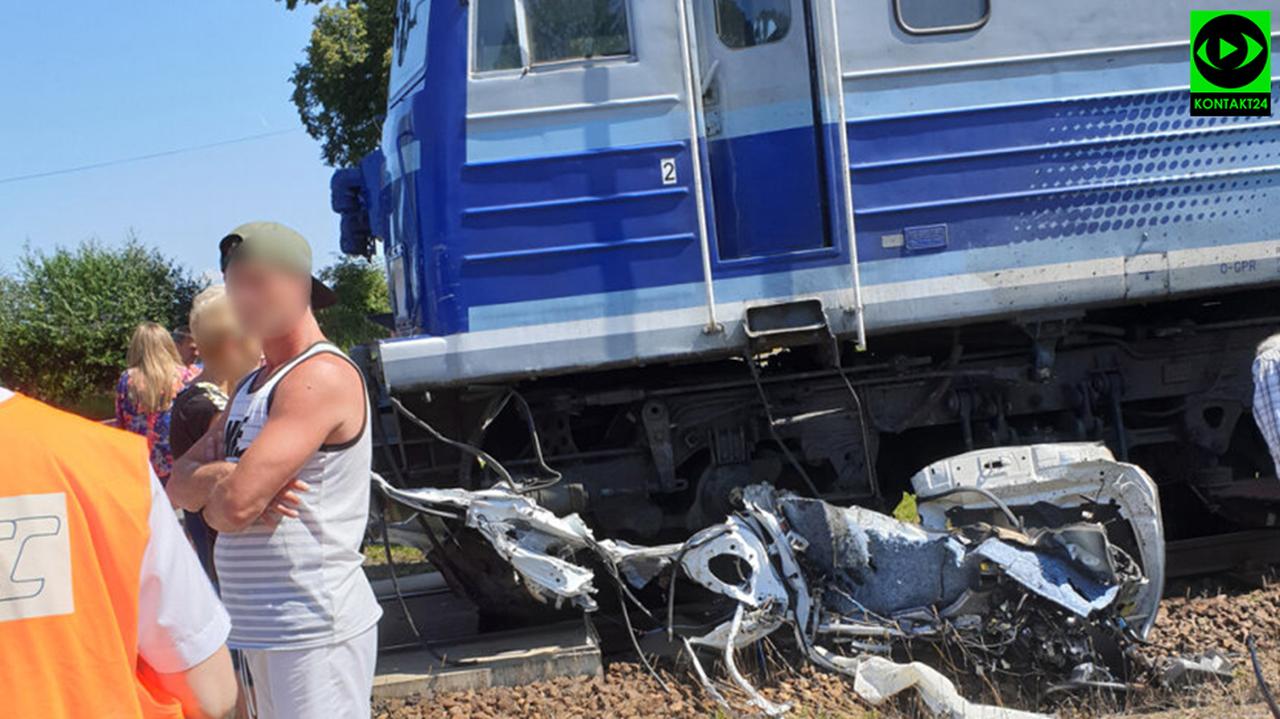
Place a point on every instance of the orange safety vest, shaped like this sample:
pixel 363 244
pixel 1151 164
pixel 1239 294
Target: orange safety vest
pixel 74 504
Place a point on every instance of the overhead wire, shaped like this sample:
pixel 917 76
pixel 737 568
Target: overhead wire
pixel 148 156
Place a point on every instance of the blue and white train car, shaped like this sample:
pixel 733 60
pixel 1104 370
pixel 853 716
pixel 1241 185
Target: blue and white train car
pixel 1005 204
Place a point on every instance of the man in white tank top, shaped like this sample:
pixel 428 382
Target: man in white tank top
pixel 284 476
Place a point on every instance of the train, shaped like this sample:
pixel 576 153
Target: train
pixel 645 253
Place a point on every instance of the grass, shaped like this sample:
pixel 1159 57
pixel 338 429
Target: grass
pixel 408 560
pixel 376 556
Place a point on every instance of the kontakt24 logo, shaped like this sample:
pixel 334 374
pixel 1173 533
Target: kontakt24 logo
pixel 1231 62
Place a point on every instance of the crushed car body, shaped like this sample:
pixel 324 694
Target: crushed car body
pixel 1041 561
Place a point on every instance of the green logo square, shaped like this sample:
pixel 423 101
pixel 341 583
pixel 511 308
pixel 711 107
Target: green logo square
pixel 1230 62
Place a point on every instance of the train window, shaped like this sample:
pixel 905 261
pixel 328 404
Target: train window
pixel 577 29
pixel 930 17
pixel 746 23
pixel 497 36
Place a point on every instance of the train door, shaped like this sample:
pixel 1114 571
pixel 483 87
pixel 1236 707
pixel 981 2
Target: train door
pixel 762 122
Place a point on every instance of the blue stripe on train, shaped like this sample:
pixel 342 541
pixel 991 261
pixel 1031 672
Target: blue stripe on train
pixel 602 221
pixel 593 234
pixel 1114 170
pixel 594 222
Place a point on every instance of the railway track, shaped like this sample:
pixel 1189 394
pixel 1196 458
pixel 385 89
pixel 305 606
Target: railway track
pixel 1238 551
pixel 462 657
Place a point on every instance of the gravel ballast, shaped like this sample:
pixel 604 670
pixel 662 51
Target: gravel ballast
pixel 1197 618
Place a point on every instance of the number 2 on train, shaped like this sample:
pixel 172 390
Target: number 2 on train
pixel 668 165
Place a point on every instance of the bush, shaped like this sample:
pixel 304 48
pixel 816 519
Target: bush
pixel 362 292
pixel 66 316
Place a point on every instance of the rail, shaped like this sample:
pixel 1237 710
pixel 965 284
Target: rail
pixel 1215 554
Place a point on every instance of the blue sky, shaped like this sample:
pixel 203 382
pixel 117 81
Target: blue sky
pixel 90 82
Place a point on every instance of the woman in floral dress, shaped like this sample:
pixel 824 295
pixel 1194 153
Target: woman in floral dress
pixel 145 392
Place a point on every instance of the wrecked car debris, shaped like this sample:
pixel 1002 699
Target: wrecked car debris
pixel 1177 672
pixel 1031 561
pixel 1053 484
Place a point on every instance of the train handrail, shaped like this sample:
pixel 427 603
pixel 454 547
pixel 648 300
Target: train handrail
pixel 846 175
pixel 691 85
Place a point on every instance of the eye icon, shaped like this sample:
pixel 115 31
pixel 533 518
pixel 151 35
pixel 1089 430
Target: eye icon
pixel 1230 51
pixel 1229 55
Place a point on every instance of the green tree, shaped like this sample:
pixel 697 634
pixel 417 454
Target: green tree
pixel 66 316
pixel 362 292
pixel 340 89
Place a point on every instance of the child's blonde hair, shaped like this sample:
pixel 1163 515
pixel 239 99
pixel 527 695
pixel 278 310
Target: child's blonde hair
pixel 211 318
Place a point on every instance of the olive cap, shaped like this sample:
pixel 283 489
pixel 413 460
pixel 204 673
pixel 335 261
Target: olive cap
pixel 271 243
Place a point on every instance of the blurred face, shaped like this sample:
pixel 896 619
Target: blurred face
pixel 268 302
pixel 239 355
pixel 187 348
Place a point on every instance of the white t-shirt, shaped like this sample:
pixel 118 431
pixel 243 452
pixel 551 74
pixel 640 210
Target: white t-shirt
pixel 181 623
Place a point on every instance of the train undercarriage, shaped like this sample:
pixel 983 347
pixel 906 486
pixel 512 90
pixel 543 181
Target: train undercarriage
pixel 653 454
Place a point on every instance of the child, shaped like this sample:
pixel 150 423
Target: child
pixel 228 356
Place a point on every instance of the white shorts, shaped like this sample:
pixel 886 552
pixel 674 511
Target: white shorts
pixel 330 682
